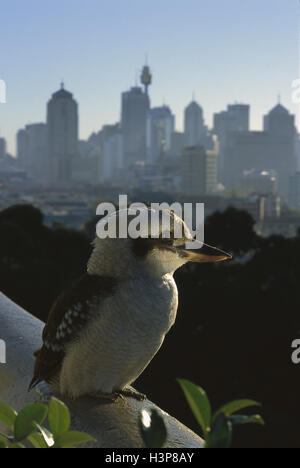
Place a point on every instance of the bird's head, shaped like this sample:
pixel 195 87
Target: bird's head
pixel 163 244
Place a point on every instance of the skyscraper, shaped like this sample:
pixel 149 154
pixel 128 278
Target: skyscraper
pixel 294 191
pixel 134 112
pixel 2 148
pixel 239 114
pixel 62 121
pixel 198 171
pixel 177 144
pixel 234 119
pixel 194 129
pixel 280 122
pixel 32 151
pixel 160 127
pixel 112 158
pixel 272 149
pixel 22 148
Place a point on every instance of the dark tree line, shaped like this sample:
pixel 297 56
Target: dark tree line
pixel 36 262
pixel 236 321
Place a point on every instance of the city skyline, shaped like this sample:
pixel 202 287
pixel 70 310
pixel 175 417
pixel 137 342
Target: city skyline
pixel 98 57
pixel 209 122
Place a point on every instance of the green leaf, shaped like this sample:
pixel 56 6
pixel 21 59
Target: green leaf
pixel 71 438
pixel 37 440
pixel 17 445
pixel 152 428
pixel 221 433
pixel 47 436
pixel 7 415
pixel 199 404
pixel 24 423
pixel 240 419
pixel 59 417
pixel 235 406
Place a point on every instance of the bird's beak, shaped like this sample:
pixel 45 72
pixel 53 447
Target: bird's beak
pixel 203 253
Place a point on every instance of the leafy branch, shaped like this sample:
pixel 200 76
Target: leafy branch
pixel 217 428
pixel 26 426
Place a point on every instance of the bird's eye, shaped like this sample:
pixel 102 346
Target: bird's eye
pixel 166 241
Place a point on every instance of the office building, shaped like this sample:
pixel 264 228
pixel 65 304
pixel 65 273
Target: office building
pixel 194 128
pixel 2 148
pixel 32 151
pixel 198 171
pixel 160 127
pixel 134 112
pixel 234 119
pixel 269 150
pixel 62 122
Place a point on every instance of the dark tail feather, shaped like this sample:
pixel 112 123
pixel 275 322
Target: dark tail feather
pixel 35 379
pixel 33 383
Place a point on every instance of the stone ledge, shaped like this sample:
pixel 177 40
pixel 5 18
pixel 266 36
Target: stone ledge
pixel 113 425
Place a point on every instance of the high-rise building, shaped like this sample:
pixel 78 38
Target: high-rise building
pixel 37 150
pixel 177 144
pixel 294 191
pixel 194 128
pixel 198 171
pixel 261 151
pixel 234 119
pixel 108 131
pixel 212 157
pixel 22 152
pixel 32 151
pixel 85 166
pixel 62 121
pixel 239 114
pixel 160 127
pixel 280 122
pixel 98 149
pixel 2 148
pixel 297 150
pixel 112 158
pixel 134 112
pixel 270 150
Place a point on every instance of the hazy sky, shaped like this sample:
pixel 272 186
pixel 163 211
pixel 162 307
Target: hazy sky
pixel 226 51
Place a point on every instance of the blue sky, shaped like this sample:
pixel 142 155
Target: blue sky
pixel 226 51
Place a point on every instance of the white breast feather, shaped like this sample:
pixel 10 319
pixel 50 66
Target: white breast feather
pixel 122 338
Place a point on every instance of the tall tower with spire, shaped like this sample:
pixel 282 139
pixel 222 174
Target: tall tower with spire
pixel 62 124
pixel 146 77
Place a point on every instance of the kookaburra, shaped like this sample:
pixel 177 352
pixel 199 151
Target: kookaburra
pixel 104 331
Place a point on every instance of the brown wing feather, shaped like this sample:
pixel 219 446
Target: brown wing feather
pixel 68 315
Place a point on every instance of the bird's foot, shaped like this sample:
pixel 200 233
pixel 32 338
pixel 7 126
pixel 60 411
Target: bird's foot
pixel 131 393
pixel 44 391
pixel 121 394
pixel 107 396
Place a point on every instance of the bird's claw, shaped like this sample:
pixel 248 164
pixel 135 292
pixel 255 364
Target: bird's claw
pixel 107 396
pixel 44 391
pixel 127 392
pixel 133 394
